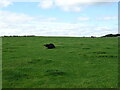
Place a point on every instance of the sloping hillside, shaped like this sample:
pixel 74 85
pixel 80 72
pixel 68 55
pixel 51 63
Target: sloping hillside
pixel 74 63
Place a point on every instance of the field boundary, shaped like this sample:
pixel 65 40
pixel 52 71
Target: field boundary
pixel 118 45
pixel 0 62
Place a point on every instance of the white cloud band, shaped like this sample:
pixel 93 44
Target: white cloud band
pixel 66 0
pixel 22 24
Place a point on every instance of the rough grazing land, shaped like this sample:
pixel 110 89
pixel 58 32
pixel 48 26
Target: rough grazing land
pixel 74 63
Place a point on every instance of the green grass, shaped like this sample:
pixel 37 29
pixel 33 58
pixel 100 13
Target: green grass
pixel 74 63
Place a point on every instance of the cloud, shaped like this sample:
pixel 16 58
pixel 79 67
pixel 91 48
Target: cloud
pixel 110 18
pixel 46 4
pixel 71 9
pixel 5 3
pixel 83 18
pixel 72 5
pixel 68 0
pixel 65 5
pixel 52 19
pixel 22 24
pixel 10 17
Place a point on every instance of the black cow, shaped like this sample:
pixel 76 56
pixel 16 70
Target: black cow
pixel 93 37
pixel 50 46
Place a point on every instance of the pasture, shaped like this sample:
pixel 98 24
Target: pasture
pixel 76 62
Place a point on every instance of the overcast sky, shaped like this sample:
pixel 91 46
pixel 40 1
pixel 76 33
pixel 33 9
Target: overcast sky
pixel 58 18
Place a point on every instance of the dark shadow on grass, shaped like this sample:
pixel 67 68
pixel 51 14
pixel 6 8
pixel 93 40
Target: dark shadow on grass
pixel 85 48
pixel 108 48
pixel 43 61
pixel 48 61
pixel 108 56
pixel 100 52
pixel 14 75
pixel 54 72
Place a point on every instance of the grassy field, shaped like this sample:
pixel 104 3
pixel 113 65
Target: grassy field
pixel 74 63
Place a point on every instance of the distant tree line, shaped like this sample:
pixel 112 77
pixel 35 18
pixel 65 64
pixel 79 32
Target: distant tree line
pixel 112 35
pixel 108 35
pixel 19 36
